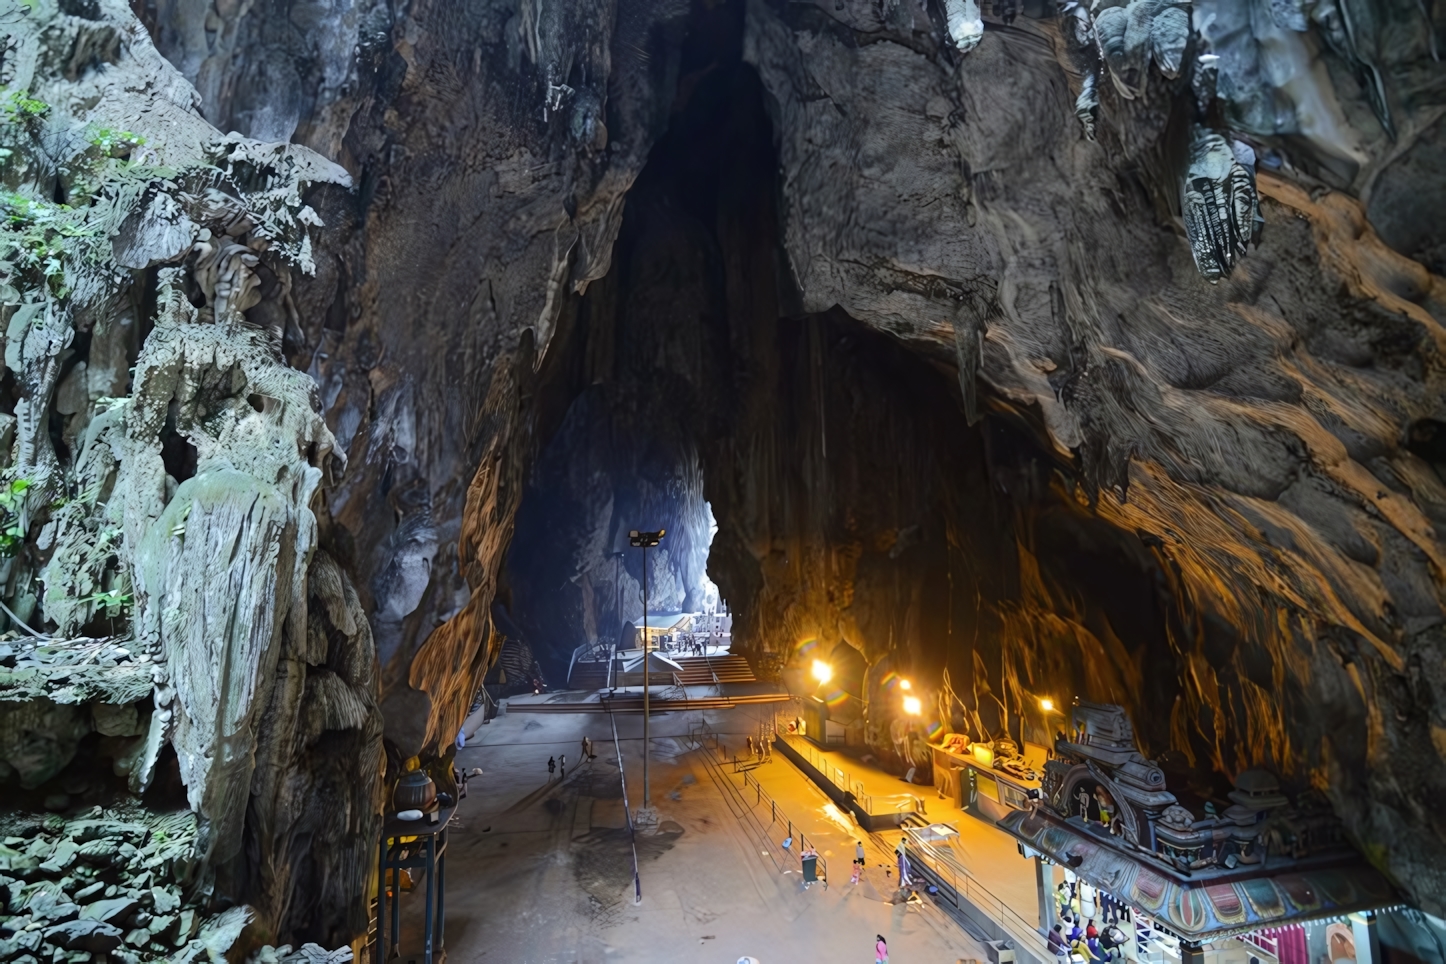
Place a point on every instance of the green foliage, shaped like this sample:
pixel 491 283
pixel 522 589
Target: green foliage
pixel 113 143
pixel 116 602
pixel 12 528
pixel 20 108
pixel 36 235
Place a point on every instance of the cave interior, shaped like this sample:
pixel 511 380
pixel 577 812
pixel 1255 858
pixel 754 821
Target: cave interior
pixel 989 347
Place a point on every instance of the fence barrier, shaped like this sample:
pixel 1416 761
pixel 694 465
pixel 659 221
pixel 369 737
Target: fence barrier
pixel 844 780
pixel 700 736
pixel 632 836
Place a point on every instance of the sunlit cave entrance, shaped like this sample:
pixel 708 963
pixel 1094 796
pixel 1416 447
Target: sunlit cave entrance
pixel 620 462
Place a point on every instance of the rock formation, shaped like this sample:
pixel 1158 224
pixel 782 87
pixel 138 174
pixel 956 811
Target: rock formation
pixel 1033 349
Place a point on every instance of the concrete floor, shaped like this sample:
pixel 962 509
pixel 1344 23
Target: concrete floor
pixel 987 852
pixel 541 873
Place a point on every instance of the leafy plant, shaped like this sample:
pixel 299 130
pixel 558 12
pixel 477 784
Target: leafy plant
pixel 37 235
pixel 113 143
pixel 116 602
pixel 12 528
pixel 21 108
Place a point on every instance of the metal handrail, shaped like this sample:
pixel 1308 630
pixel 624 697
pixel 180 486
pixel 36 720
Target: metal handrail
pixel 708 661
pixel 776 814
pixel 963 882
pixel 632 835
pixel 843 779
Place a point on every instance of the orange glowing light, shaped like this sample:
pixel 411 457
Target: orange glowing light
pixel 822 671
pixel 905 684
pixel 912 706
pixel 1046 704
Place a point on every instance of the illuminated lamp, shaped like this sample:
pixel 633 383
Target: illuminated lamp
pixel 822 671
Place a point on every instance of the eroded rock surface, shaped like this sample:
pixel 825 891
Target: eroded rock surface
pixel 1035 351
pixel 174 509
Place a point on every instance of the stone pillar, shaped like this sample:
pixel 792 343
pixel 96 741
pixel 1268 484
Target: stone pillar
pixel 1368 941
pixel 1043 880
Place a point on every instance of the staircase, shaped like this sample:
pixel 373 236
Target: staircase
pixel 588 676
pixel 700 670
pixel 696 671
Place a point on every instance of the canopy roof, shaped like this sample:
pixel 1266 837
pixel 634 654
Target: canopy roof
pixel 1209 904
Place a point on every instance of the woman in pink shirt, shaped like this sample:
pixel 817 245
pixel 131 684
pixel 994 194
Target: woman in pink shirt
pixel 881 950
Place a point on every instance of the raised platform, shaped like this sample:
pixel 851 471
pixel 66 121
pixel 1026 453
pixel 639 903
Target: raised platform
pixel 664 699
pixel 875 812
pixel 719 666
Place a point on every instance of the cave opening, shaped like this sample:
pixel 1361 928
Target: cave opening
pixel 857 510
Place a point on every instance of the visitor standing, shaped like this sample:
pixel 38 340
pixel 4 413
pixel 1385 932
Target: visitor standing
pixel 551 767
pixel 881 950
pixel 562 765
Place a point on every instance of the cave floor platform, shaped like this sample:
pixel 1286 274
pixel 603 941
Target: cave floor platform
pixel 539 871
pixel 989 854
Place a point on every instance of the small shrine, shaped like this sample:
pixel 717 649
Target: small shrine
pixel 1104 811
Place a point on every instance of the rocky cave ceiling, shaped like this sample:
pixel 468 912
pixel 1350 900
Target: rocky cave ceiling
pixel 1055 347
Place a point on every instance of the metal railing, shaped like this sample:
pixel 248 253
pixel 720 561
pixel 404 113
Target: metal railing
pixel 1262 941
pixel 955 881
pixel 844 780
pixel 632 835
pixel 700 736
pixel 573 662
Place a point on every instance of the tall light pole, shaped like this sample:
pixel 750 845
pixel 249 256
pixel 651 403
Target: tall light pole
pixel 618 585
pixel 646 541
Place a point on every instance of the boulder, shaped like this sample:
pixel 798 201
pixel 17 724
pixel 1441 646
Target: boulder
pixel 94 936
pixel 113 910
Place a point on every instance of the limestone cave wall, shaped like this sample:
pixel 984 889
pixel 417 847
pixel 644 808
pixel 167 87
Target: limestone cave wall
pixel 1067 350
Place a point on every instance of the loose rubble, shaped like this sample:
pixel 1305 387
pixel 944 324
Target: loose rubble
pixel 110 882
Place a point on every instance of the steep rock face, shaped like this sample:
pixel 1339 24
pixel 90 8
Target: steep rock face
pixel 1214 502
pixel 494 145
pixel 166 464
pixel 1256 433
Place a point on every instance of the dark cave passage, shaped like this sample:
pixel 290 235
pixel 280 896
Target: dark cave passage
pixel 854 503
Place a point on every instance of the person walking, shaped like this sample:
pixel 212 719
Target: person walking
pixel 551 767
pixel 881 950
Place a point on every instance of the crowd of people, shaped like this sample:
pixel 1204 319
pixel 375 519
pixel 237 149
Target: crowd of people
pixel 692 644
pixel 1093 925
